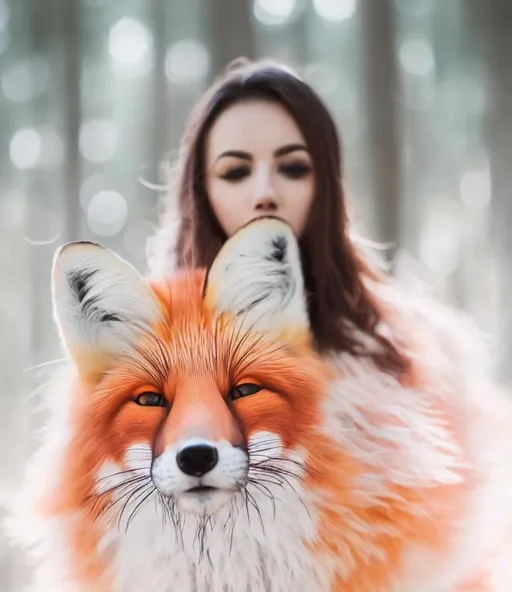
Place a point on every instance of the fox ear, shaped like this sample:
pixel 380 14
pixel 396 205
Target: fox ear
pixel 102 306
pixel 257 276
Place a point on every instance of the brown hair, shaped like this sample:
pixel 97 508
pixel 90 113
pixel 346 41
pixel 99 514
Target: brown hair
pixel 335 269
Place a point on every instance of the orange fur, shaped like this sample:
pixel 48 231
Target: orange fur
pixel 105 424
pixel 192 358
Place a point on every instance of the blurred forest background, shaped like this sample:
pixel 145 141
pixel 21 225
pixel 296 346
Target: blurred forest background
pixel 94 94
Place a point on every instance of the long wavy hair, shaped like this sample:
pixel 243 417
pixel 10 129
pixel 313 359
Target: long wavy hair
pixel 343 310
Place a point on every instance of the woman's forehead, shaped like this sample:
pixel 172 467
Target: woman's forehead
pixel 252 126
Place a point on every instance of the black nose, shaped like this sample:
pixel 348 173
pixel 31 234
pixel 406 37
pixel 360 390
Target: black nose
pixel 197 460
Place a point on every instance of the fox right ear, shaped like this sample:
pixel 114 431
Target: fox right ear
pixel 102 305
pixel 257 278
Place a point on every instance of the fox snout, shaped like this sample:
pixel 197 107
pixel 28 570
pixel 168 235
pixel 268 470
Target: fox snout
pixel 200 459
pixel 200 475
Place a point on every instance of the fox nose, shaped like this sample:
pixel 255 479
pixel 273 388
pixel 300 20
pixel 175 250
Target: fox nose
pixel 198 459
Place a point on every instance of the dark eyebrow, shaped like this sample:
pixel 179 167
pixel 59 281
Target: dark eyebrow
pixel 283 151
pixel 235 154
pixel 290 148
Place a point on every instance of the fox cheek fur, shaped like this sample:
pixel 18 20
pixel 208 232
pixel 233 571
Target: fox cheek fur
pixel 198 443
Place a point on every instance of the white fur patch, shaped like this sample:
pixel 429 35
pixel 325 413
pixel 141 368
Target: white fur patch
pixel 256 542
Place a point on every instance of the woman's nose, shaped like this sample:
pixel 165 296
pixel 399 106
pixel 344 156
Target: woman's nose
pixel 266 203
pixel 265 197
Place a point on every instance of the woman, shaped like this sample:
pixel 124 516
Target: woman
pixel 262 142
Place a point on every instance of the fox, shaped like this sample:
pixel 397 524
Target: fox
pixel 198 442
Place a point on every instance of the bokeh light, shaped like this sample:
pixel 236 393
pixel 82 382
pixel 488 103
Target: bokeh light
pixel 26 80
pixel 475 189
pixel 187 62
pixel 107 213
pixel 416 56
pixel 25 148
pixel 98 140
pixel 335 10
pixel 274 12
pixel 131 47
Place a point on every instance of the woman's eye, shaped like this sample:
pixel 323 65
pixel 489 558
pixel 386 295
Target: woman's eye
pixel 243 390
pixel 295 170
pixel 236 173
pixel 150 400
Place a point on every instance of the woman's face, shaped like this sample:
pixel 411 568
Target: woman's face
pixel 258 164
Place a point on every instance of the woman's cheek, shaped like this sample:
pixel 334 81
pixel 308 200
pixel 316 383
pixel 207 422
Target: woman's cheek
pixel 231 205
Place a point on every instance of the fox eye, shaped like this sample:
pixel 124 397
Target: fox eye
pixel 243 390
pixel 150 400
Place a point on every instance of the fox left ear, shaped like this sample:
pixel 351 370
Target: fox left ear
pixel 102 306
pixel 257 277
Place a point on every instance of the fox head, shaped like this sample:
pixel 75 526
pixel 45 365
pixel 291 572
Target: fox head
pixel 190 386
